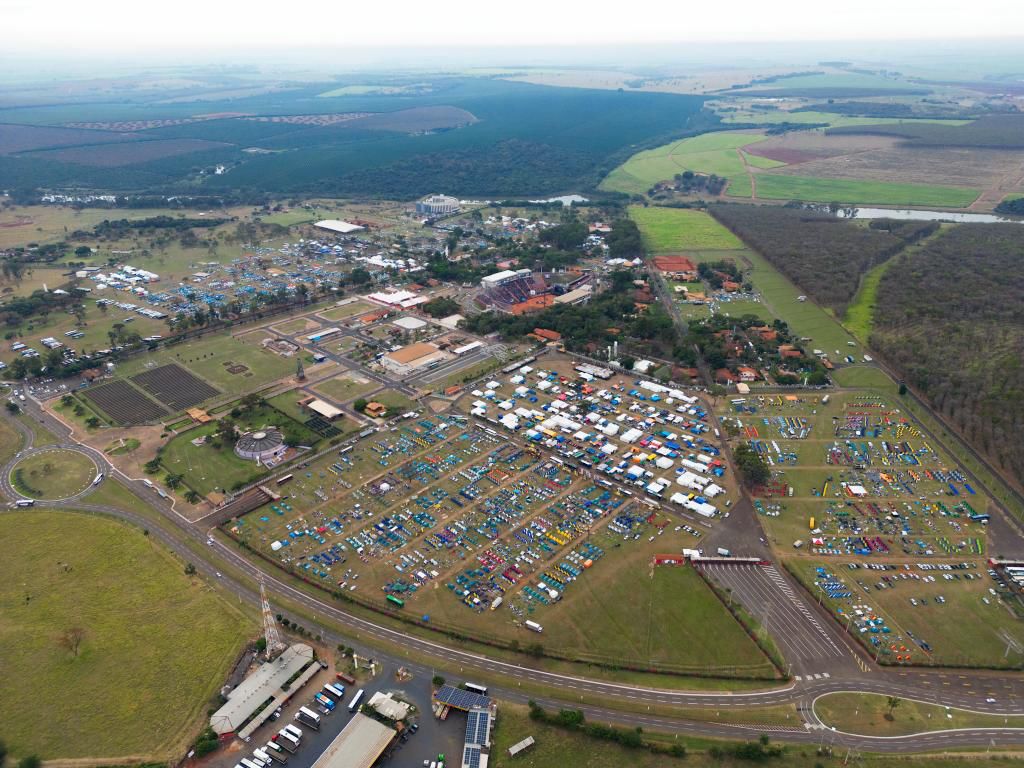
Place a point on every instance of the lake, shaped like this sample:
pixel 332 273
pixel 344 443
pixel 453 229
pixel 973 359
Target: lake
pixel 907 214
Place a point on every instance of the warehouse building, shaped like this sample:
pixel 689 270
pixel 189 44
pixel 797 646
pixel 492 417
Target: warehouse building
pixel 359 744
pixel 412 358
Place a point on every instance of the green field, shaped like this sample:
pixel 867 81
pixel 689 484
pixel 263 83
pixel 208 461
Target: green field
pixel 207 468
pixel 53 474
pixel 860 312
pixel 157 645
pixel 865 713
pixel 671 230
pixel 343 387
pixel 553 745
pixel 10 441
pixel 667 617
pixel 782 187
pixel 346 310
pixel 210 357
pixel 805 318
pixel 708 153
pixel 832 119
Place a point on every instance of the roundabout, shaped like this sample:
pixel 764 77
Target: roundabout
pixel 51 473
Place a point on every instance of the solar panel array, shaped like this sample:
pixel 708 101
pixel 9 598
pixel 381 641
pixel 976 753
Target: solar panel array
pixel 477 726
pixel 460 699
pixel 471 757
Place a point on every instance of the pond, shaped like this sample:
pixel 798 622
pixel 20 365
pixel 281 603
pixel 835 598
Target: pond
pixel 913 215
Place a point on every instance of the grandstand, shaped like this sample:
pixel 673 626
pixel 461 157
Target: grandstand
pixel 522 291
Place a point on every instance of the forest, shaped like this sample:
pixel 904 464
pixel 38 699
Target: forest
pixel 950 318
pixel 824 255
pixel 514 139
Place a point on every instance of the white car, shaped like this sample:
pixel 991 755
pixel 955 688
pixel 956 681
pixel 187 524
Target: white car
pixel 990 700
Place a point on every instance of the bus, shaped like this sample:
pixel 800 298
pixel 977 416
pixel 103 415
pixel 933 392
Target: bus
pixel 474 688
pixel 396 600
pixel 25 503
pixel 309 717
pixel 283 480
pixel 335 690
pixel 354 704
pixel 293 730
pixel 324 701
pixel 533 626
pixel 98 479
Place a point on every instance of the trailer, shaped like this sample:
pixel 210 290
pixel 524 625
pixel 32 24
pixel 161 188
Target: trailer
pixel 533 626
pixel 308 717
pixel 324 701
pixel 354 704
pixel 288 740
pixel 275 752
pixel 335 690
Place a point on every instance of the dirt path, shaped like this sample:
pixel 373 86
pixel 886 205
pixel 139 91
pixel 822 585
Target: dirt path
pixel 748 169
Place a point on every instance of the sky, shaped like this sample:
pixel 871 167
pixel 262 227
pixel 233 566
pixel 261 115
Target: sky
pixel 102 27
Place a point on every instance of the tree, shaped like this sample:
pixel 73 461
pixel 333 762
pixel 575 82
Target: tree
pixel 751 465
pixel 174 480
pixel 360 404
pixel 192 497
pixel 152 466
pixel 12 407
pixel 891 704
pixel 438 681
pixel 92 422
pixel 67 400
pixel 190 570
pixel 71 639
pixel 30 761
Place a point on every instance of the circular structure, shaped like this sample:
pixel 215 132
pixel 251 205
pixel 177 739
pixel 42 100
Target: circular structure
pixel 53 474
pixel 261 446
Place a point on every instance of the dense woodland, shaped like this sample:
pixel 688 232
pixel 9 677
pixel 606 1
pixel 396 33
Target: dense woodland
pixel 950 318
pixel 824 255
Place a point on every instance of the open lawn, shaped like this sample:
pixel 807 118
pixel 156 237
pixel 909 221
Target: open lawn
pixel 553 746
pixel 396 403
pixel 781 297
pixel 346 310
pixel 860 312
pixel 10 440
pixel 668 617
pixel 156 646
pixel 782 187
pixel 233 364
pixel 715 152
pixel 294 216
pixel 53 474
pixel 864 376
pixel 865 713
pixel 671 230
pixel 345 387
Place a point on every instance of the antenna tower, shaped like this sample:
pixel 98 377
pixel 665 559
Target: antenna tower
pixel 274 642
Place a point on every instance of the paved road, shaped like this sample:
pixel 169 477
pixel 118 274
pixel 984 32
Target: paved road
pixel 175 530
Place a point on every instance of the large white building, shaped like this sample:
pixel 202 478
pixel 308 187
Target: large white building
pixel 438 205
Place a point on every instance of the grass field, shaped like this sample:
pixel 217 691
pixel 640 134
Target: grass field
pixel 210 358
pixel 865 713
pixel 708 153
pixel 832 119
pixel 781 187
pixel 554 745
pixel 805 318
pixel 156 647
pixel 860 312
pixel 671 230
pixel 346 310
pixel 668 617
pixel 865 376
pixel 344 387
pixel 53 474
pixel 293 217
pixel 10 441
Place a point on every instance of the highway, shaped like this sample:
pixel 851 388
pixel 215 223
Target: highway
pixel 337 625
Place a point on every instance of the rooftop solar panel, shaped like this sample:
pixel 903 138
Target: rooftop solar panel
pixel 471 757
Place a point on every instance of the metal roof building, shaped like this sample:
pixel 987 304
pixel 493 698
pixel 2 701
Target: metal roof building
pixel 358 745
pixel 340 227
pixel 263 684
